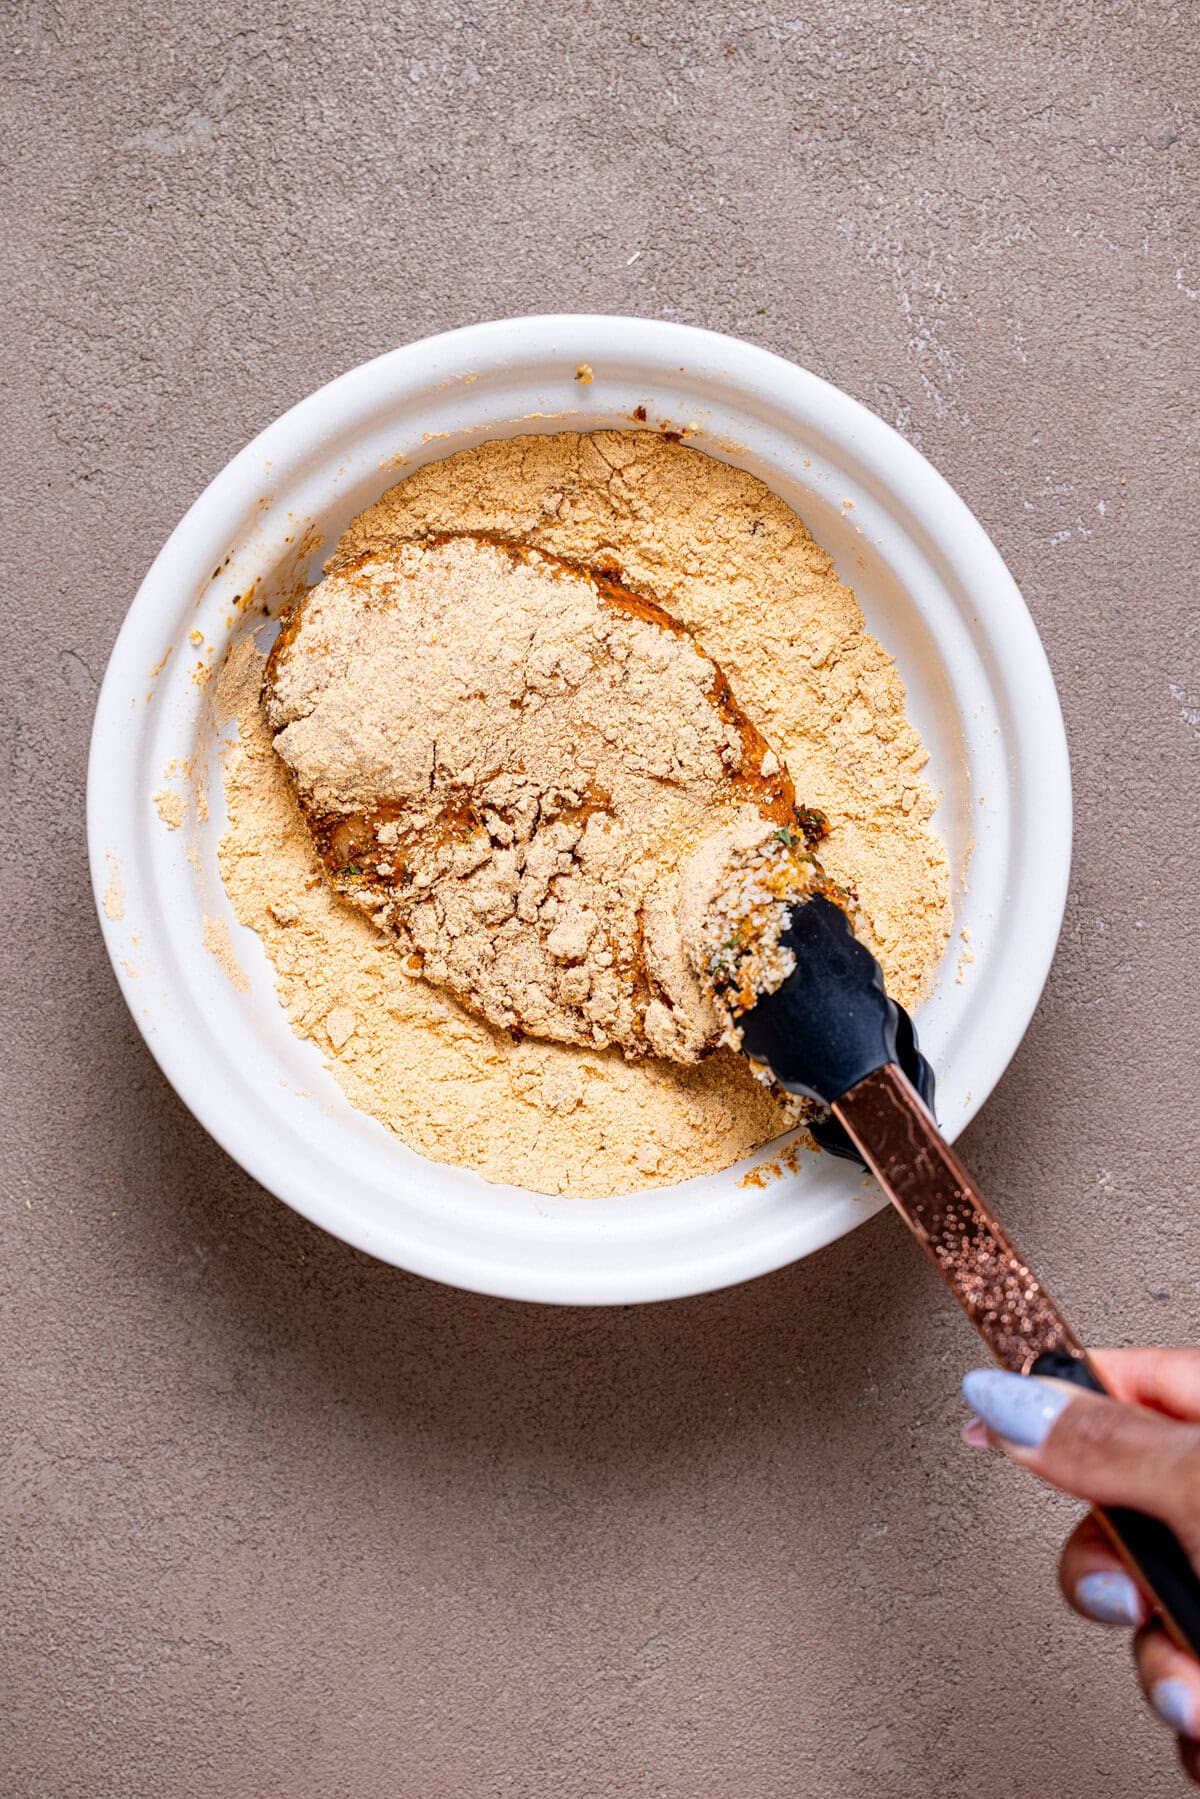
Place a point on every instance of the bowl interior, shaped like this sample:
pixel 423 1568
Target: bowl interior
pixel 932 589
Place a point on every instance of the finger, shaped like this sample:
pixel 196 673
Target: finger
pixel 1171 1682
pixel 1095 1582
pixel 1097 1449
pixel 1165 1380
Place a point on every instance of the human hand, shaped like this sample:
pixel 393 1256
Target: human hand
pixel 1140 1447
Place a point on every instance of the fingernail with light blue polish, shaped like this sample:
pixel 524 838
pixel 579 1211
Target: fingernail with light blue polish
pixel 1110 1598
pixel 1016 1406
pixel 1172 1700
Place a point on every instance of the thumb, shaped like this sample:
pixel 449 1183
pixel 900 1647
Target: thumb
pixel 1095 1447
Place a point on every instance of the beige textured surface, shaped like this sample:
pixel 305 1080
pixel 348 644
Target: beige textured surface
pixel 280 1521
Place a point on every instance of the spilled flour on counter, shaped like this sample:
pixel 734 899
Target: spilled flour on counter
pixel 728 561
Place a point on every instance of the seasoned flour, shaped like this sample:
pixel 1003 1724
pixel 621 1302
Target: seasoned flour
pixel 506 762
pixel 732 564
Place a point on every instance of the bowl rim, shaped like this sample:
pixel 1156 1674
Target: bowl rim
pixel 1041 747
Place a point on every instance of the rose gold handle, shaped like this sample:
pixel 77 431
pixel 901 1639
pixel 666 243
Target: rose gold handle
pixel 952 1221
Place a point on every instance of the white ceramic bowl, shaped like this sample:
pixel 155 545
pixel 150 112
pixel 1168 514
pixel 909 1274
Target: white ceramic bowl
pixel 933 589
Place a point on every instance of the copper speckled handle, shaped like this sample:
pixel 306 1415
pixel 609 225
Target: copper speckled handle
pixel 950 1218
pixel 1003 1298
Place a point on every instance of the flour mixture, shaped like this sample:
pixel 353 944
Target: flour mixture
pixel 335 821
pixel 506 761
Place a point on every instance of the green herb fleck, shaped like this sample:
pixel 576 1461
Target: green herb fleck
pixel 787 836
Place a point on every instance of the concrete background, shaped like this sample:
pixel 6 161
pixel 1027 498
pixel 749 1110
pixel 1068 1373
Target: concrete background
pixel 277 1520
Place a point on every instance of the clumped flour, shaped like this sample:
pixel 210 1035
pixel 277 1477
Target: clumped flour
pixel 507 761
pixel 735 568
